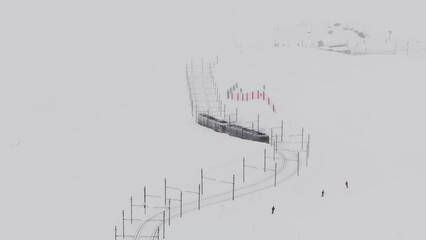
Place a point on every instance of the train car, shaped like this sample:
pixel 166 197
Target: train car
pixel 211 122
pixel 220 126
pixel 255 136
pixel 231 129
pixel 235 130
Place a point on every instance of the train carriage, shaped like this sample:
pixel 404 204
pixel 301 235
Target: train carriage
pixel 231 129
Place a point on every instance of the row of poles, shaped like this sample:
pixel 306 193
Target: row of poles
pixel 304 147
pixel 201 187
pixel 247 96
pixel 194 75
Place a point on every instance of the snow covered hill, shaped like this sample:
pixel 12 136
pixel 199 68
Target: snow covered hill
pixel 367 127
pixel 354 37
pixel 94 107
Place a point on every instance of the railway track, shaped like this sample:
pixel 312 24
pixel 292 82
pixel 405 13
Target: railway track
pixel 149 227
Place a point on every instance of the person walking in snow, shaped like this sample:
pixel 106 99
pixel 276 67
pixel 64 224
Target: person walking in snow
pixel 322 193
pixel 273 209
pixel 347 185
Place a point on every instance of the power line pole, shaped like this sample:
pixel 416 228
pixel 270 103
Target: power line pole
pixel 144 199
pixel 169 209
pixel 298 163
pixel 164 224
pixel 275 179
pixel 202 182
pixel 244 169
pixel 123 223
pixel 181 204
pixel 264 160
pixel 165 191
pixel 199 198
pixel 131 210
pixel 233 187
pixel 258 120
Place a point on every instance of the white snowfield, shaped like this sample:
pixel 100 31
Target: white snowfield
pixel 70 161
pixel 94 107
pixel 268 172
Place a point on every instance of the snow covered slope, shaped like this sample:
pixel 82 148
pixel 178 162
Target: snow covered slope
pixel 366 122
pixel 94 106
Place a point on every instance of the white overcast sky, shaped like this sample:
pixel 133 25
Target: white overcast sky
pixel 32 28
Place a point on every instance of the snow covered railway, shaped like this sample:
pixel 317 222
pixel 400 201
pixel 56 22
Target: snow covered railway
pixel 231 129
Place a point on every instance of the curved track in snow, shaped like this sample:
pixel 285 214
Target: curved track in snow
pixel 148 229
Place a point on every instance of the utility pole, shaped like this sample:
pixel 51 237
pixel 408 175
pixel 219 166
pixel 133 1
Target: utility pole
pixel 282 130
pixel 233 187
pixel 258 120
pixel 164 224
pixel 244 169
pixel 275 179
pixel 144 199
pixel 170 203
pixel 264 160
pixel 165 191
pixel 202 181
pixel 181 204
pixel 298 163
pixel 273 153
pixel 131 210
pixel 199 198
pixel 123 223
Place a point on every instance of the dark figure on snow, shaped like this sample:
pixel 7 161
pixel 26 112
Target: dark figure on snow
pixel 322 193
pixel 347 185
pixel 273 209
